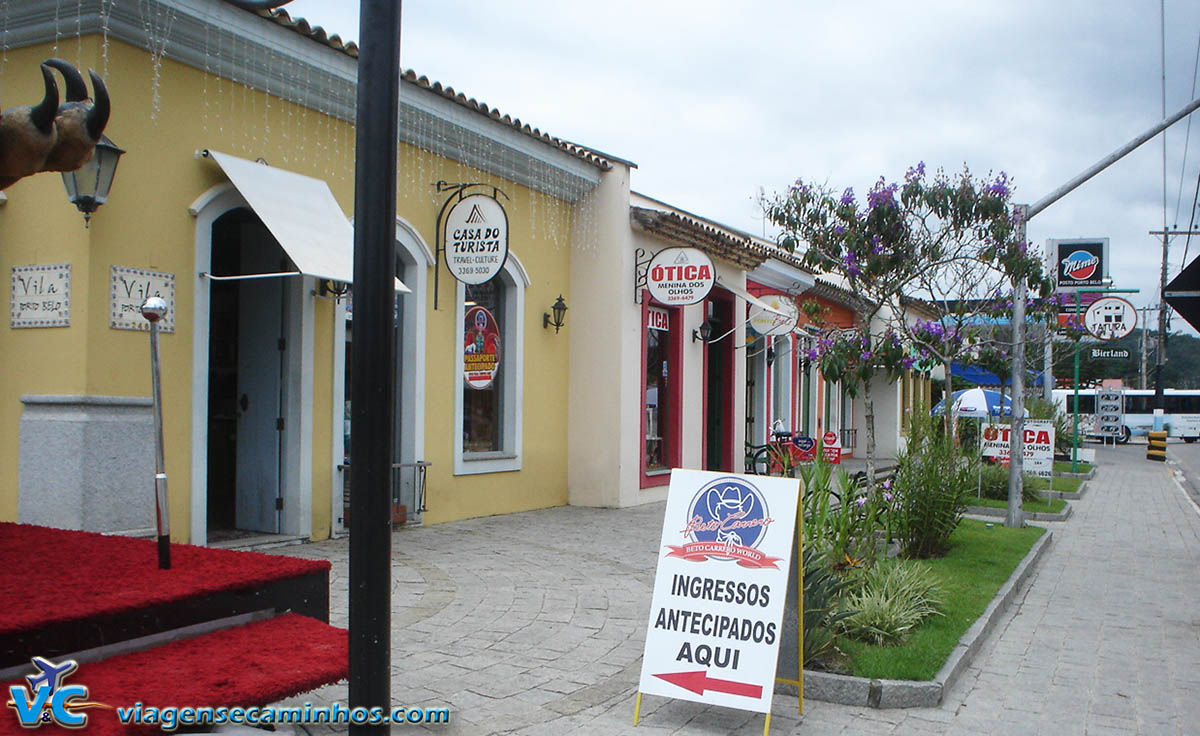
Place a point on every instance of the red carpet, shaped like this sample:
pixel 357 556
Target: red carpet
pixel 255 664
pixel 52 576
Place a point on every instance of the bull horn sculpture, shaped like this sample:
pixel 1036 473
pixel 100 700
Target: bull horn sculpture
pixel 79 121
pixel 28 134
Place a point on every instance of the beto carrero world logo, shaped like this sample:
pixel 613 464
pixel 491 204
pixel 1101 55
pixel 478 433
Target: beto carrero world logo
pixel 727 519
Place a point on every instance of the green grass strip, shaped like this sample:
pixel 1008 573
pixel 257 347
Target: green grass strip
pixel 1061 466
pixel 1055 505
pixel 1068 485
pixel 980 560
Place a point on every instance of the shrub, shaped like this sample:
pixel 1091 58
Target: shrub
pixel 932 485
pixel 839 520
pixel 993 483
pixel 823 589
pixel 1063 425
pixel 889 601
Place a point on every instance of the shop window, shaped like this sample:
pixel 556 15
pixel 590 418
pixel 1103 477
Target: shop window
pixel 661 394
pixel 807 380
pixel 781 384
pixel 488 352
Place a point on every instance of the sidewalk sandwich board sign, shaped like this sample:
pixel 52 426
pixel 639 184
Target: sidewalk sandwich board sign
pixel 1110 412
pixel 1038 455
pixel 806 449
pixel 719 589
pixel 831 448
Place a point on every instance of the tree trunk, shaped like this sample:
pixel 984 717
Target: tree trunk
pixel 869 419
pixel 947 416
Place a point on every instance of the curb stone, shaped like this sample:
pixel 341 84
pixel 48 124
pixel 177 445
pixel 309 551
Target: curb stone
pixel 860 691
pixel 990 512
pixel 1067 495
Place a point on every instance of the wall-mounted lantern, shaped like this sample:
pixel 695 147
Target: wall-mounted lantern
pixel 560 315
pixel 704 333
pixel 88 186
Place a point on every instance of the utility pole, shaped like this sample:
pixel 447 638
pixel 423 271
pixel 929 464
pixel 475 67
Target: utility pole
pixel 1142 372
pixel 1017 445
pixel 1160 359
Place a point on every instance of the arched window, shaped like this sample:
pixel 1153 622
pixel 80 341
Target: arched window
pixel 489 348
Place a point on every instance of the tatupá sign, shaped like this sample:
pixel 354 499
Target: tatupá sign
pixel 476 238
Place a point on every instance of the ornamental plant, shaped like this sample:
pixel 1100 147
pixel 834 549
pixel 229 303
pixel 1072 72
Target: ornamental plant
pixel 846 525
pixel 888 601
pixel 947 239
pixel 932 485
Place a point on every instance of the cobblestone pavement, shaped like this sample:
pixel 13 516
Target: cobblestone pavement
pixel 533 623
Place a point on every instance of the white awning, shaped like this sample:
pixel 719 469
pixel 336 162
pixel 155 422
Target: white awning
pixel 302 215
pixel 751 299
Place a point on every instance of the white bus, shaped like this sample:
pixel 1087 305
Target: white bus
pixel 1181 416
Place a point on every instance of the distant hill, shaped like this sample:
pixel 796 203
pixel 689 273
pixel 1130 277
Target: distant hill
pixel 1182 369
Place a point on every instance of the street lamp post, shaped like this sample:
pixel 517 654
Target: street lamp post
pixel 154 309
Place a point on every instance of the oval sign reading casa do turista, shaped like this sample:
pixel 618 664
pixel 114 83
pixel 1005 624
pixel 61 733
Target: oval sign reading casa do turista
pixel 677 277
pixel 476 238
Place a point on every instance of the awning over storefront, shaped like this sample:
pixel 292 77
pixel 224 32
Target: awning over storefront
pixel 302 215
pixel 752 300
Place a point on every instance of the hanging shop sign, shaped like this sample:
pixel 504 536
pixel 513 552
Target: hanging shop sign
pixel 1110 318
pixel 677 277
pixel 128 288
pixel 481 348
pixel 40 296
pixel 1038 453
pixel 658 319
pixel 475 233
pixel 766 323
pixel 1081 263
pixel 719 589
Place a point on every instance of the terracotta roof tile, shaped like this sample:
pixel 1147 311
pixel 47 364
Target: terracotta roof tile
pixel 318 34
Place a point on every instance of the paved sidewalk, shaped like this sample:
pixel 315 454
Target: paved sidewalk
pixel 533 624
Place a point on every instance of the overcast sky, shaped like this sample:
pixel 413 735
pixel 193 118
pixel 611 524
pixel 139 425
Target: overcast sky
pixel 714 100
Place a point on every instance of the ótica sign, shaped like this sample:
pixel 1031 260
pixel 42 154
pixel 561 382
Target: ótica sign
pixel 677 277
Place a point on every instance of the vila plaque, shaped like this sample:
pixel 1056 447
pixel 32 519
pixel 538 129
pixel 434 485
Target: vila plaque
pixel 41 296
pixel 129 288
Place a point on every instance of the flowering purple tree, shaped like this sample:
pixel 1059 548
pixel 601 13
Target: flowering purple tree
pixel 932 236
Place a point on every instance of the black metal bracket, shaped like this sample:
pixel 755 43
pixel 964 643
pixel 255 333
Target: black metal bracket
pixel 458 192
pixel 641 265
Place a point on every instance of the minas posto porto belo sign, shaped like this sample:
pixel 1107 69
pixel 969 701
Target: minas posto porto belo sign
pixel 719 589
pixel 677 277
pixel 476 238
pixel 1080 264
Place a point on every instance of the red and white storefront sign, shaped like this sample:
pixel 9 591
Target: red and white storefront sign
pixel 677 277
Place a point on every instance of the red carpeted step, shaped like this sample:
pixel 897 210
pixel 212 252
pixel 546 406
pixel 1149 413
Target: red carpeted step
pixel 251 665
pixel 55 576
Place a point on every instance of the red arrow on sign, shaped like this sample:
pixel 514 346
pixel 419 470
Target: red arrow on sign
pixel 699 681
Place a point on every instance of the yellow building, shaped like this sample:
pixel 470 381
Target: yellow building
pixel 255 405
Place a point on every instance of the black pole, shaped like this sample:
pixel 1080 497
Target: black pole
pixel 373 354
